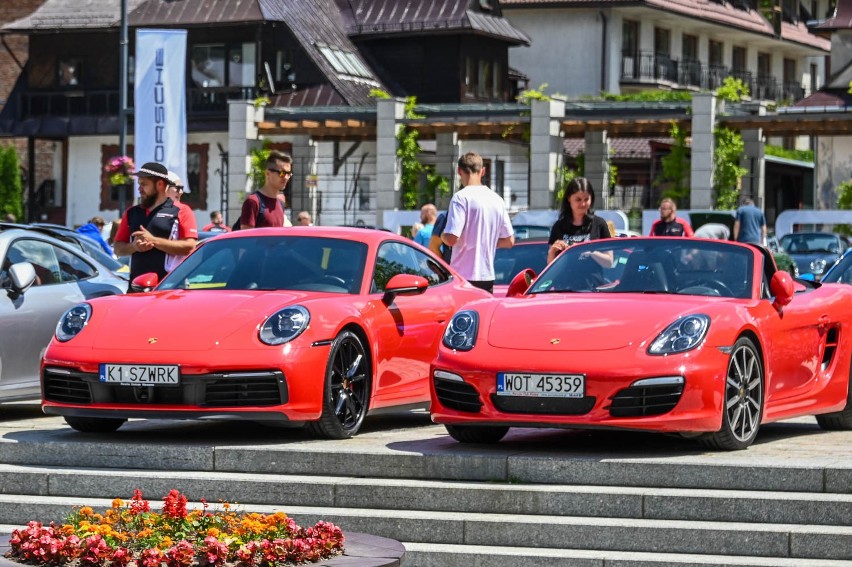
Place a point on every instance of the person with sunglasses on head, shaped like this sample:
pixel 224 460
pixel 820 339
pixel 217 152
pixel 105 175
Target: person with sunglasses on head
pixel 265 207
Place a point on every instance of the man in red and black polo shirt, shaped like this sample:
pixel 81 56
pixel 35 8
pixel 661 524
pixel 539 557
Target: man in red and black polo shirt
pixel 669 224
pixel 145 230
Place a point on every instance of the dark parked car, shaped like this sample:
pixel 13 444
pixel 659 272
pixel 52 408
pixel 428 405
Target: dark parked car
pixel 814 252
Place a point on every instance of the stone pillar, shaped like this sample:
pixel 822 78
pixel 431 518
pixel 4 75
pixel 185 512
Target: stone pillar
pixel 447 153
pixel 754 160
pixel 302 198
pixel 703 145
pixel 242 138
pixel 545 151
pixel 389 115
pixel 597 165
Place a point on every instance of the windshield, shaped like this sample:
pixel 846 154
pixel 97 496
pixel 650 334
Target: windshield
pixel 651 265
pixel 272 263
pixel 810 243
pixel 509 262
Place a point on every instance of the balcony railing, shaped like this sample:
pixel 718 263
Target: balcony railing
pixel 655 69
pixel 65 103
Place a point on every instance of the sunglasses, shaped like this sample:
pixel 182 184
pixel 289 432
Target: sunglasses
pixel 281 173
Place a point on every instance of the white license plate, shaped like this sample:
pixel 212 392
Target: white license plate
pixel 140 374
pixel 541 385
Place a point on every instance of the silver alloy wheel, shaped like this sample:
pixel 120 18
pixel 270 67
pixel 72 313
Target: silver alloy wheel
pixel 744 393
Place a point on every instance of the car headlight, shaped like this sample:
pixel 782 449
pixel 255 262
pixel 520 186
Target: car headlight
pixel 818 265
pixel 73 321
pixel 284 325
pixel 682 335
pixel 461 332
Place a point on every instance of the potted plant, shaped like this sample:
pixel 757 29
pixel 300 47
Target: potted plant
pixel 119 170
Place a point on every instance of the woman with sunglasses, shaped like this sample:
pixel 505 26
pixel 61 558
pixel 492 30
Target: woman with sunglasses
pixel 265 207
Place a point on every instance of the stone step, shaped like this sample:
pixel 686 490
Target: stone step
pixel 791 541
pixel 448 461
pixel 428 495
pixel 441 555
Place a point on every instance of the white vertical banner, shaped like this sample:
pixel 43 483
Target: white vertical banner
pixel 159 116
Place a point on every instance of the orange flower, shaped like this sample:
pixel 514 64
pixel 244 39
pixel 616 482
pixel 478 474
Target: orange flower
pixel 117 503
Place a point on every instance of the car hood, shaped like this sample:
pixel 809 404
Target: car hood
pixel 584 322
pixel 184 320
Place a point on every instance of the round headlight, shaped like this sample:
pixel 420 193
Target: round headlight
pixel 461 332
pixel 284 325
pixel 73 321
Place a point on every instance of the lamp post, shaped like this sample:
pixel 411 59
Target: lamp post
pixel 122 81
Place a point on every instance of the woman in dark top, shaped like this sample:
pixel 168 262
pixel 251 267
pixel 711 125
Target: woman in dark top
pixel 577 222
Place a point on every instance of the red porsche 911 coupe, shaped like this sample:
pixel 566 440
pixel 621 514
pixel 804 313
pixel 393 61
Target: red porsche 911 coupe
pixel 304 325
pixel 704 338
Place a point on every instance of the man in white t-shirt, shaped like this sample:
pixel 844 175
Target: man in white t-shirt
pixel 477 224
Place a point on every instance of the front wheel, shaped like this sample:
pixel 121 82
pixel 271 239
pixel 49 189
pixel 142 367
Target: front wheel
pixel 94 424
pixel 476 433
pixel 346 394
pixel 743 400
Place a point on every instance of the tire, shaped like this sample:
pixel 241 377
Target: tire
pixel 346 394
pixel 94 424
pixel 742 408
pixel 839 420
pixel 476 433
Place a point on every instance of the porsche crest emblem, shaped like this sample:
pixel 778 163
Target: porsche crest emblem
pixel 554 341
pixel 152 340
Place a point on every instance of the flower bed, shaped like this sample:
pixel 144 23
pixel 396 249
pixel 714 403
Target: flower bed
pixel 131 535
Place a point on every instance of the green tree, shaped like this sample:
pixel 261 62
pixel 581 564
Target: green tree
pixel 11 193
pixel 727 171
pixel 676 168
pixel 258 164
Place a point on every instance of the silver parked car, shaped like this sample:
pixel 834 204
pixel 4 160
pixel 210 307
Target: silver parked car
pixel 41 278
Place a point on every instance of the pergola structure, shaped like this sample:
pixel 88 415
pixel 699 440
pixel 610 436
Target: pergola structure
pixel 543 126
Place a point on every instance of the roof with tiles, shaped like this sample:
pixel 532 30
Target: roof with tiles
pixel 708 10
pixel 622 148
pixel 389 17
pixel 71 14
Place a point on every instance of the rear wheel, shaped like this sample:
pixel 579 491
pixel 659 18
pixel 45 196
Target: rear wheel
pixel 94 424
pixel 346 394
pixel 743 400
pixel 840 420
pixel 476 433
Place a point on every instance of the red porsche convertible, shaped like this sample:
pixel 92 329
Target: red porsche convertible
pixel 302 325
pixel 694 336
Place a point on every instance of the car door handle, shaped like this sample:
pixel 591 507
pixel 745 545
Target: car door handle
pixel 824 321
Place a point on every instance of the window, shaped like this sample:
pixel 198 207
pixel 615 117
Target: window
pixel 662 41
pixel 398 258
pixel 690 47
pixel 219 65
pixel 40 254
pixel 497 87
pixel 484 78
pixel 790 71
pixel 69 72
pixel 738 60
pixel 345 63
pixel 630 38
pixel 764 62
pixel 469 77
pixel 72 268
pixel 715 55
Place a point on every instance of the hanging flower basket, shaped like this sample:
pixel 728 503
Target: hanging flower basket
pixel 119 169
pixel 130 534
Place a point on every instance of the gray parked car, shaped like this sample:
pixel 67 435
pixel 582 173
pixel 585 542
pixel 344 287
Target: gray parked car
pixel 41 278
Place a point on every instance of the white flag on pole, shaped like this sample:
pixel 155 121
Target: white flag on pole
pixel 159 116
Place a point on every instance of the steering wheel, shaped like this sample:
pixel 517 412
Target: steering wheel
pixel 333 280
pixel 719 286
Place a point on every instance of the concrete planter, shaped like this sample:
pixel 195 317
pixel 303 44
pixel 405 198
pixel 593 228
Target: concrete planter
pixel 362 550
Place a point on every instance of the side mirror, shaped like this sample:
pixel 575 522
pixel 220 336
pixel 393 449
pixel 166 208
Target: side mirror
pixel 404 284
pixel 521 283
pixel 21 276
pixel 781 288
pixel 144 282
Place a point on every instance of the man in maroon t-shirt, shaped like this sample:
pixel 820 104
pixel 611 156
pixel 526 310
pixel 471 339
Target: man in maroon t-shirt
pixel 669 224
pixel 265 207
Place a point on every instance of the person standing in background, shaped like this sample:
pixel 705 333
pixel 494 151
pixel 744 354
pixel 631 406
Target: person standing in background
pixel 750 224
pixel 477 224
pixel 217 223
pixel 577 222
pixel 428 214
pixel 92 230
pixel 304 219
pixel 175 191
pixel 145 229
pixel 265 207
pixel 669 224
